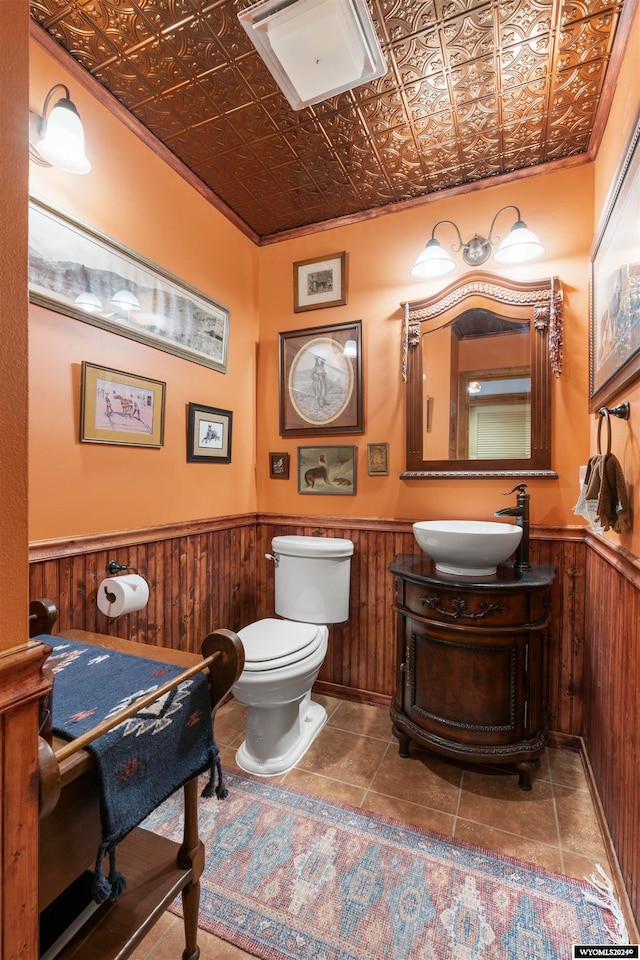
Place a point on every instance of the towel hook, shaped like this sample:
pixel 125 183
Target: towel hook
pixel 605 413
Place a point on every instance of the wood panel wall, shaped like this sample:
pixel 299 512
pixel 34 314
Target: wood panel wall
pixel 200 578
pixel 214 574
pixel 611 725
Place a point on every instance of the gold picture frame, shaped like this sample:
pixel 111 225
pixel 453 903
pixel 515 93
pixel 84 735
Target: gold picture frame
pixel 614 285
pixel 320 282
pixel 121 408
pixel 327 470
pixel 378 459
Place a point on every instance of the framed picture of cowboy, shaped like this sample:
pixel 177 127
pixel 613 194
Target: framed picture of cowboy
pixel 320 377
pixel 119 407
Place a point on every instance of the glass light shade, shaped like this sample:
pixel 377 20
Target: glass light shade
pixel 432 262
pixel 63 141
pixel 125 300
pixel 315 48
pixel 519 246
pixel 89 302
pixel 350 349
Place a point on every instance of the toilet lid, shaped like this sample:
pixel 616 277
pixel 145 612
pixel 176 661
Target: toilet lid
pixel 274 643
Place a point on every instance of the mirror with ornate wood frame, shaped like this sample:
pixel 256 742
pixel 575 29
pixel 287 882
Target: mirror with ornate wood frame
pixel 478 358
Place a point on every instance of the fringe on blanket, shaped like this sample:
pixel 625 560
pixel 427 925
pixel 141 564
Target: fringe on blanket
pixel 606 899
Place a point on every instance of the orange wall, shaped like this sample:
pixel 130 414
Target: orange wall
pixel 559 208
pixel 132 195
pixel 625 114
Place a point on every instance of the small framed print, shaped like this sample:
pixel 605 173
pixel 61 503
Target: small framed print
pixel 208 434
pixel 378 459
pixel 320 282
pixel 279 466
pixel 119 407
pixel 330 470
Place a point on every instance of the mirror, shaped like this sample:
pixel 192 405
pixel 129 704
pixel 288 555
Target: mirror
pixel 478 364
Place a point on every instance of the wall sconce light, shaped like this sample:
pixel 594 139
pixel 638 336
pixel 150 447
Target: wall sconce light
pixel 350 349
pixel 57 138
pixel 519 246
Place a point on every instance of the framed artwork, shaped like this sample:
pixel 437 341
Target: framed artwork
pixel 119 407
pixel 320 282
pixel 77 271
pixel 279 466
pixel 614 276
pixel 330 470
pixel 208 434
pixel 378 459
pixel 320 378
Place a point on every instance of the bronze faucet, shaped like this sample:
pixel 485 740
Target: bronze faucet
pixel 521 513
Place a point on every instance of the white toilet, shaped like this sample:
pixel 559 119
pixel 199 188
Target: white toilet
pixel 283 657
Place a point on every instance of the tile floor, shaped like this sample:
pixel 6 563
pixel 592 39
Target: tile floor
pixel 355 760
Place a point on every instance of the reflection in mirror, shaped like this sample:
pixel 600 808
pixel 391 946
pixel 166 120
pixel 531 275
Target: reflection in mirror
pixel 482 361
pixel 478 384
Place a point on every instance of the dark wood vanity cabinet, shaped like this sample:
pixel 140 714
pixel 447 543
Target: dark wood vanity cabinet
pixel 470 663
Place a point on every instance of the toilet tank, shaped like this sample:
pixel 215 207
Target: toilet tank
pixel 312 578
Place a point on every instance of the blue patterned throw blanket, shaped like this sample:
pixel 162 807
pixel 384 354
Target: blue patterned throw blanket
pixel 144 759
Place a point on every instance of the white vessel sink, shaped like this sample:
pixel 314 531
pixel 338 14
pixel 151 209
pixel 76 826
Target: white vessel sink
pixel 469 548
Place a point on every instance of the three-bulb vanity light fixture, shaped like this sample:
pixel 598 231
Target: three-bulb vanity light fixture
pixel 57 138
pixel 519 246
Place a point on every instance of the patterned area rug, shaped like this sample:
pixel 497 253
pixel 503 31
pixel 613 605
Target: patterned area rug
pixel 289 875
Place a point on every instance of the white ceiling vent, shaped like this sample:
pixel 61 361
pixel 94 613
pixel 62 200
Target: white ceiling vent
pixel 315 48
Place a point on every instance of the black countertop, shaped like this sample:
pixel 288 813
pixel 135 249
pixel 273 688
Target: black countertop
pixel 422 569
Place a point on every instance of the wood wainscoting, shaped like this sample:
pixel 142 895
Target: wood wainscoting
pixel 200 576
pixel 210 574
pixel 611 724
pixel 361 658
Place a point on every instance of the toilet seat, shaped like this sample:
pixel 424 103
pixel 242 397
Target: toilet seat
pixel 270 644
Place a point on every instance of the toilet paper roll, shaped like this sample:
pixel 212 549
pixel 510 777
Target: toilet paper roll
pixel 118 595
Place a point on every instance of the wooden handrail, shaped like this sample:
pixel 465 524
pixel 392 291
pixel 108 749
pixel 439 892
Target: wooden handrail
pixel 85 738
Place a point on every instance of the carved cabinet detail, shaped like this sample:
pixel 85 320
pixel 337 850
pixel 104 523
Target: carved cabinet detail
pixel 470 663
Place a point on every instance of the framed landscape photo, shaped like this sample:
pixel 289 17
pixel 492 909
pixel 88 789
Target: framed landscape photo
pixel 119 407
pixel 82 273
pixel 279 466
pixel 614 275
pixel 320 380
pixel 209 434
pixel 330 470
pixel 320 282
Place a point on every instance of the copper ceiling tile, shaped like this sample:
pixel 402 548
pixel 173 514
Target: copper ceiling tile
pixel 475 89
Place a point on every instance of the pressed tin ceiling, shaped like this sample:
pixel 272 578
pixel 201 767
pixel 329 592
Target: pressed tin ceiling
pixel 475 89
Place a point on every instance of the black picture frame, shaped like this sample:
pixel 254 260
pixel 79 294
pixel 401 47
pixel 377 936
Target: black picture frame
pixel 208 434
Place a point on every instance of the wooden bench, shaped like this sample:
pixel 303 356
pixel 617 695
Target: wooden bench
pixel 157 869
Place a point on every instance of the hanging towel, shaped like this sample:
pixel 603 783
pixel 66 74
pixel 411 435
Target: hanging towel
pixel 603 499
pixel 144 759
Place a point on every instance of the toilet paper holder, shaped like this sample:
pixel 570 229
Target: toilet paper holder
pixel 114 567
